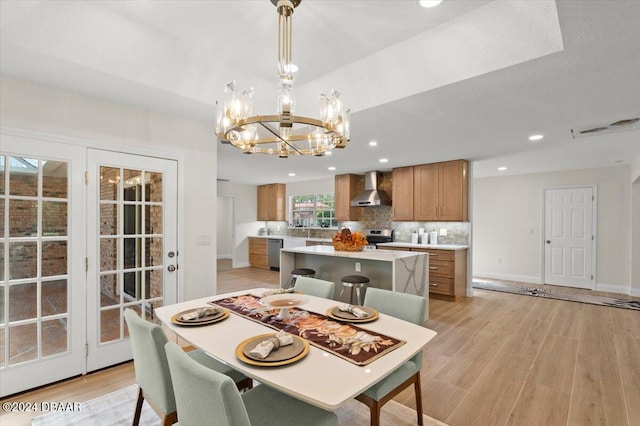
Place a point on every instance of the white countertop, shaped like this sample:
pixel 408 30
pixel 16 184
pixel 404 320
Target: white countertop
pixel 428 246
pixel 381 255
pixel 289 237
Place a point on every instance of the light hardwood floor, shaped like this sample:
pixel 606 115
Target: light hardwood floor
pixel 498 359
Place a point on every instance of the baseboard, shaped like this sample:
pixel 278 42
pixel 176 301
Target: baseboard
pixel 224 256
pixel 613 288
pixel 508 277
pixel 241 265
pixel 634 292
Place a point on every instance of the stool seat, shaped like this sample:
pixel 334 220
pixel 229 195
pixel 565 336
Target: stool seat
pixel 351 282
pixel 303 272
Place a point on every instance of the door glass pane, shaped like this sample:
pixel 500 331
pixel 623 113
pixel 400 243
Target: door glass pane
pixel 54 337
pixel 54 218
pixel 109 294
pixel 153 191
pixel 133 285
pixel 23 343
pixel 54 179
pixel 132 248
pixel 54 258
pixel 1 261
pixel 153 220
pixel 132 219
pixel 108 254
pixel 2 346
pixel 153 251
pixel 108 219
pixel 110 325
pixel 54 297
pixel 1 217
pixel 23 260
pixel 109 183
pixel 1 304
pixel 24 176
pixel 2 173
pixel 154 283
pixel 132 185
pixel 24 301
pixel 23 218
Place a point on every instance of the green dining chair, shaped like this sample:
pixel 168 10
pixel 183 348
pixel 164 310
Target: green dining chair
pixel 315 287
pixel 206 397
pixel 152 370
pixel 409 308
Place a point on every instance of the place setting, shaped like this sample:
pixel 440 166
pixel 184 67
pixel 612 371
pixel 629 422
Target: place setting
pixel 200 316
pixel 352 313
pixel 272 349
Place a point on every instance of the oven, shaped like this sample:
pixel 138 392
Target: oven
pixel 377 236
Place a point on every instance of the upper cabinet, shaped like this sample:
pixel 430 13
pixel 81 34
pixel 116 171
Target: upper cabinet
pixel 431 192
pixel 272 202
pixel 346 188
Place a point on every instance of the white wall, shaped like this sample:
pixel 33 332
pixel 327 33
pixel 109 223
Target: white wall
pixel 224 227
pixel 245 223
pixel 635 238
pixel 318 186
pixel 102 124
pixel 507 232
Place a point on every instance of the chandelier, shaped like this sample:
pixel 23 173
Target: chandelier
pixel 283 134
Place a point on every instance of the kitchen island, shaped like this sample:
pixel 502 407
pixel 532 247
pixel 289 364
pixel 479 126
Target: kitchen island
pixel 406 272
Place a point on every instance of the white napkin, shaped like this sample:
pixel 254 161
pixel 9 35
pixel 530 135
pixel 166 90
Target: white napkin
pixel 199 313
pixel 359 313
pixel 279 291
pixel 264 348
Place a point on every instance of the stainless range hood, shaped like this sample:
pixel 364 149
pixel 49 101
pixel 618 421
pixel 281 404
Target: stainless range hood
pixel 371 196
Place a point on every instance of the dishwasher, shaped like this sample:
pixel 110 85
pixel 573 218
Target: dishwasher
pixel 273 253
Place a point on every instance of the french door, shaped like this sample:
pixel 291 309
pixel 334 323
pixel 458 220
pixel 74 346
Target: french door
pixel 131 246
pixel 42 276
pixel 569 237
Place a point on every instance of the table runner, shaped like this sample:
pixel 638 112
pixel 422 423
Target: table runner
pixel 342 339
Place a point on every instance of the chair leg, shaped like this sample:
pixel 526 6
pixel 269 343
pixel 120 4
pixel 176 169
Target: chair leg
pixel 374 408
pixel 418 390
pixel 136 415
pixel 169 419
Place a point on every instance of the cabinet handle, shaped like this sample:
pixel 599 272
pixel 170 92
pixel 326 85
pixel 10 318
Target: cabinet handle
pixel 434 285
pixel 434 268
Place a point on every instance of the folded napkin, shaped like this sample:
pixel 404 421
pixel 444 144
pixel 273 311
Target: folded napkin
pixel 279 291
pixel 199 313
pixel 359 313
pixel 264 348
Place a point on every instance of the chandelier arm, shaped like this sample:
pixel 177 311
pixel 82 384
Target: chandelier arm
pixel 278 136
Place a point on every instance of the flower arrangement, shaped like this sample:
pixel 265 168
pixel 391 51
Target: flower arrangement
pixel 345 240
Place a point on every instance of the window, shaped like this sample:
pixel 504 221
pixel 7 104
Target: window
pixel 316 210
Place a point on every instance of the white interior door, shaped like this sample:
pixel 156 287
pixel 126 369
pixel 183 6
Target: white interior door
pixel 569 237
pixel 131 246
pixel 42 246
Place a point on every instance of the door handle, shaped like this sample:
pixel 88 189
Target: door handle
pixel 548 241
pixel 171 268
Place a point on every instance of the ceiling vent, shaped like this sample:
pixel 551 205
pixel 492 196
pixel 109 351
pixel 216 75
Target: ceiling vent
pixel 615 127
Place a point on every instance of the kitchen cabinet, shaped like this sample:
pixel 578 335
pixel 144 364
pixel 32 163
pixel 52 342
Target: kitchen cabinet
pixel 347 186
pixel 272 201
pixel 431 192
pixel 402 190
pixel 258 256
pixel 447 272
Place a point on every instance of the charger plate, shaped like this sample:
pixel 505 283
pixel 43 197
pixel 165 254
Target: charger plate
pixel 335 313
pixel 282 356
pixel 222 315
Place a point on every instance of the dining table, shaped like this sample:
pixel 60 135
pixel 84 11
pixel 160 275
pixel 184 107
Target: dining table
pixel 322 377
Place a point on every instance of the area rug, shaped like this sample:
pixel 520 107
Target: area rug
pixel 550 294
pixel 117 408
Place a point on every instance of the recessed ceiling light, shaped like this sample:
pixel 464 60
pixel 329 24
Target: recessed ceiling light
pixel 331 168
pixel 503 168
pixel 292 174
pixel 373 143
pixel 430 3
pixel 534 138
pixel 384 160
pixel 618 161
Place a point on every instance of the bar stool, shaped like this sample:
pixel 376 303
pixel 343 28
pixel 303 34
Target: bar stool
pixel 301 272
pixel 356 282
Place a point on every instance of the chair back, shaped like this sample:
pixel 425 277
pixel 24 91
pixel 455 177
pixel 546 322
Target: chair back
pixel 404 306
pixel 150 361
pixel 315 287
pixel 203 396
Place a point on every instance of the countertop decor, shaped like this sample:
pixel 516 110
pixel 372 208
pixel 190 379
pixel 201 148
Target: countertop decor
pixel 347 241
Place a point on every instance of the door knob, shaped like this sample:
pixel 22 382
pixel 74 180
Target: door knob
pixel 171 268
pixel 548 241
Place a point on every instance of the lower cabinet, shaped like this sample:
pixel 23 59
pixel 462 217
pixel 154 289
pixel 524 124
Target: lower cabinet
pixel 258 252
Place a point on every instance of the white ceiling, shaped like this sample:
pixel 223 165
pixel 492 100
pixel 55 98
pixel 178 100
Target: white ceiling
pixel 468 79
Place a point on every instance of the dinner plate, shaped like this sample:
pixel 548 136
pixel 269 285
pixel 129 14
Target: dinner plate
pixel 282 356
pixel 336 313
pixel 221 315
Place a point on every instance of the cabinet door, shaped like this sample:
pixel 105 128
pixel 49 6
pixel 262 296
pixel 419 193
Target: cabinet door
pixel 452 190
pixel 425 192
pixel 346 187
pixel 263 202
pixel 402 189
pixel 276 201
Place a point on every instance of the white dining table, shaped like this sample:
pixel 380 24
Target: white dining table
pixel 321 378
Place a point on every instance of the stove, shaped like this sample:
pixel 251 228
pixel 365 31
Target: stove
pixel 377 236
